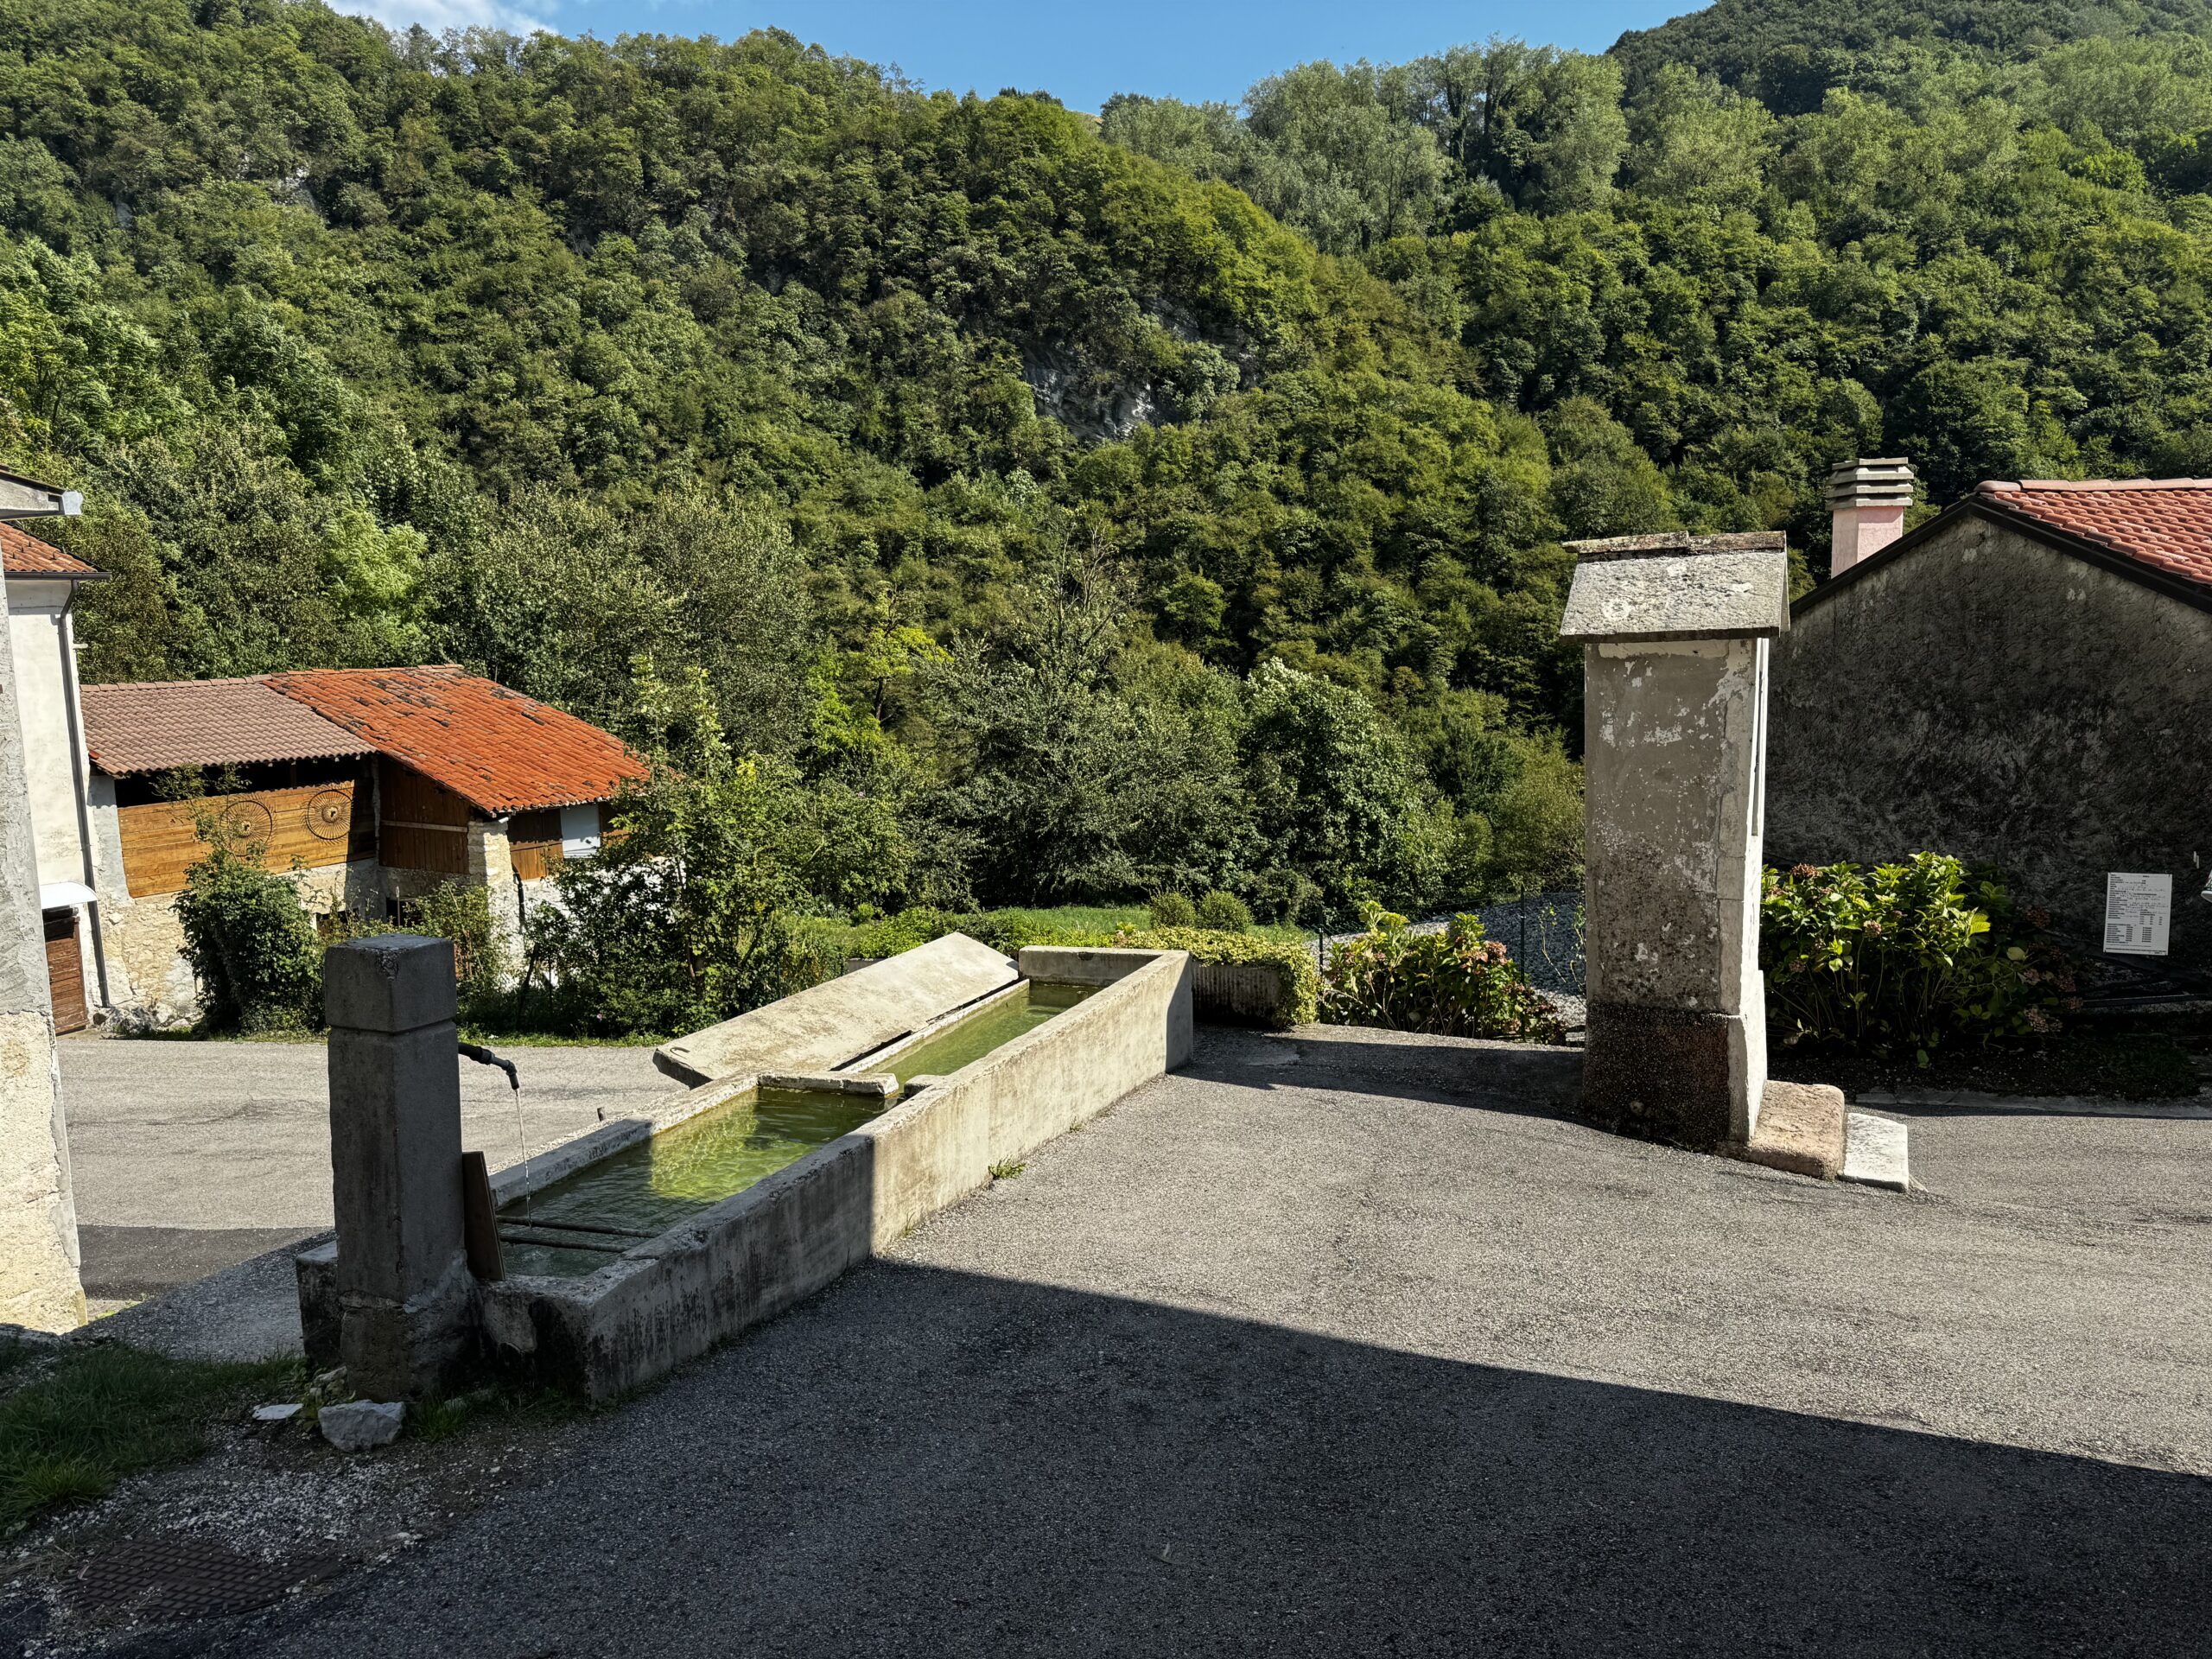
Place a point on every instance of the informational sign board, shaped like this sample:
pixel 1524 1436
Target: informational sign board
pixel 2138 914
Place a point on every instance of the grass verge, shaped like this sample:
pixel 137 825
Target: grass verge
pixel 73 1423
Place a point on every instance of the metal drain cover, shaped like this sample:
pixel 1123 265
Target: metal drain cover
pixel 177 1576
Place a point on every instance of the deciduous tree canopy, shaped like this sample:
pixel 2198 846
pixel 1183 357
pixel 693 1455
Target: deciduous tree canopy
pixel 601 365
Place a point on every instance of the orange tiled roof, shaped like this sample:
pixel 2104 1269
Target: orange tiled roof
pixel 24 555
pixel 2164 523
pixel 497 749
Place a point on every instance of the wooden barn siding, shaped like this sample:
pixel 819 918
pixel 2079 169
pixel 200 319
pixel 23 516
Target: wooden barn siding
pixel 534 840
pixel 160 839
pixel 421 825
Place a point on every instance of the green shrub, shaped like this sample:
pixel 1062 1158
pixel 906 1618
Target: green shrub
pixel 1221 912
pixel 1297 983
pixel 814 948
pixel 703 907
pixel 888 936
pixel 1173 910
pixel 1904 958
pixel 1004 931
pixel 1455 983
pixel 252 948
pixel 462 912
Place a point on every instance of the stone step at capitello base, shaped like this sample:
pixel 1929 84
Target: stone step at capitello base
pixel 1805 1128
pixel 1876 1153
pixel 1801 1129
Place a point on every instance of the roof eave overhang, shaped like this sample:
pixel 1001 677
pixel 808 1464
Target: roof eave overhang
pixel 28 497
pixel 109 768
pixel 509 808
pixel 2079 546
pixel 1674 636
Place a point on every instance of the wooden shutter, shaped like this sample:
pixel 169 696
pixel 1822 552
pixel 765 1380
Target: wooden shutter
pixel 64 971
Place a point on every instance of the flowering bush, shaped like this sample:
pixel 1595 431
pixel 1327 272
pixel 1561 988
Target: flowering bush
pixel 1456 984
pixel 1904 958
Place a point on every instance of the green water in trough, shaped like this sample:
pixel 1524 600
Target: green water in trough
pixel 583 1221
pixel 977 1035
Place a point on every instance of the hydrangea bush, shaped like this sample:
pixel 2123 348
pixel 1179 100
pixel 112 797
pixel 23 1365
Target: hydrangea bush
pixel 1454 983
pixel 1906 958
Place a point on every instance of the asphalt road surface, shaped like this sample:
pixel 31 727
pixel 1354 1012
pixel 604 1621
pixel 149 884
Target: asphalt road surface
pixel 1315 1349
pixel 188 1157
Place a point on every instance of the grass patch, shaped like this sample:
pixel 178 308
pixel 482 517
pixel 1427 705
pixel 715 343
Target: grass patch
pixel 1007 1171
pixel 72 1428
pixel 1071 918
pixel 442 1420
pixel 1009 929
pixel 2113 1065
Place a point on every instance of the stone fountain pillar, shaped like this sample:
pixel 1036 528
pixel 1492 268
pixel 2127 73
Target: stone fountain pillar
pixel 1675 631
pixel 405 1296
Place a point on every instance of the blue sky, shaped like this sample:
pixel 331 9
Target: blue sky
pixel 1194 49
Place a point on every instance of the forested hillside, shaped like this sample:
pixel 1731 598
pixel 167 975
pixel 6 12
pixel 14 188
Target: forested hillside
pixel 1183 487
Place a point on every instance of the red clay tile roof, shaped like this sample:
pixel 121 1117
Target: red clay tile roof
pixel 2164 523
pixel 23 555
pixel 154 725
pixel 498 750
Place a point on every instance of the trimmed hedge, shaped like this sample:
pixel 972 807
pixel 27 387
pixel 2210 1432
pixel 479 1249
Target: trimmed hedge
pixel 1298 983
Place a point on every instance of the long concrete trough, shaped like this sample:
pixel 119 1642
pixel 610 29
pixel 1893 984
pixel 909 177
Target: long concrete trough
pixel 745 1259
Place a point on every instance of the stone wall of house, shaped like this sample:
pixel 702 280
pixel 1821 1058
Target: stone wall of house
pixel 1990 697
pixel 148 975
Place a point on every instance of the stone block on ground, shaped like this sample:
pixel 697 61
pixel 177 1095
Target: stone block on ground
pixel 1876 1152
pixel 361 1425
pixel 1801 1130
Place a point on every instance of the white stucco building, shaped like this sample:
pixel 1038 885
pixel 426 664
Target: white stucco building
pixel 43 583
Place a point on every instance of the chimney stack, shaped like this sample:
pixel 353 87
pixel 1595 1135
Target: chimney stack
pixel 1868 498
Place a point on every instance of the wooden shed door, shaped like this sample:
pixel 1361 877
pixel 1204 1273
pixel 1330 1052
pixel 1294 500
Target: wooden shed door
pixel 64 971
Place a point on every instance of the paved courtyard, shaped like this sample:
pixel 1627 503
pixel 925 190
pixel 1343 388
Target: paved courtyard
pixel 188 1157
pixel 1314 1348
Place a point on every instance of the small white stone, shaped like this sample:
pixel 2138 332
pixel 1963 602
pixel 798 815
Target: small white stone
pixel 361 1425
pixel 282 1413
pixel 1875 1152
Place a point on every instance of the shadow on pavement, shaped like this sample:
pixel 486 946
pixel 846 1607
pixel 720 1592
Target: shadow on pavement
pixel 1541 1081
pixel 925 1461
pixel 123 1262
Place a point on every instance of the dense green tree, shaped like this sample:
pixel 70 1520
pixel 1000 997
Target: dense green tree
pixel 1541 127
pixel 572 358
pixel 1071 773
